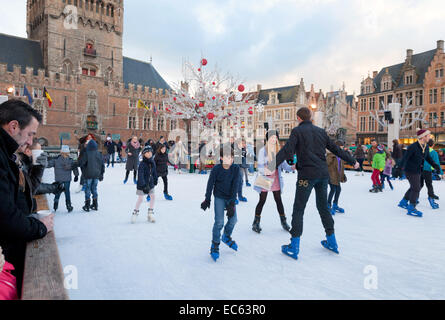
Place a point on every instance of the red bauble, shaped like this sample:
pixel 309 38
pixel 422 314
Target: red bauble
pixel 174 98
pixel 201 104
pixel 213 98
pixel 199 69
pixel 250 112
pixel 213 83
pixel 204 62
pixel 241 88
pixel 210 116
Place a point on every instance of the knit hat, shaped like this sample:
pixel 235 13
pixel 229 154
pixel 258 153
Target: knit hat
pixel 65 149
pixel 422 133
pixel 147 149
pixel 271 133
pixel 380 148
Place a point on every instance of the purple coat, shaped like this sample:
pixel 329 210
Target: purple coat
pixel 388 167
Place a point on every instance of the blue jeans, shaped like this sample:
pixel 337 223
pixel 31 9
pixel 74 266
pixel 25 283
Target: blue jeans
pixel 240 184
pixel 334 193
pixel 67 192
pixel 108 156
pixel 91 188
pixel 251 168
pixel 302 194
pixel 220 205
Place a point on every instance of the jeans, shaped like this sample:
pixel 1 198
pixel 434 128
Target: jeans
pixel 334 193
pixel 414 188
pixel 220 205
pixel 91 188
pixel 67 192
pixel 427 178
pixel 244 170
pixel 240 184
pixel 251 168
pixel 386 177
pixel 302 194
pixel 108 156
pixel 165 180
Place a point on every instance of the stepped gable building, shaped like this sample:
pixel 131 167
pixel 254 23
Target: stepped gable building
pixel 421 79
pixel 79 60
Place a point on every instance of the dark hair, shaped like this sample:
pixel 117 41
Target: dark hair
pixel 374 140
pixel 339 143
pixel 431 142
pixel 160 148
pixel 224 149
pixel 395 141
pixel 304 114
pixel 20 111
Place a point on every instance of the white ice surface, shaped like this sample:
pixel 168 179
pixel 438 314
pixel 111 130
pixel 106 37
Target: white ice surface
pixel 170 258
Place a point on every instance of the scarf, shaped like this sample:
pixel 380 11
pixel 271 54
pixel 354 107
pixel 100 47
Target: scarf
pixel 136 144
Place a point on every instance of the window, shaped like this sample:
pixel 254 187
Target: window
pixel 433 96
pixel 409 79
pixel 173 125
pixel 381 119
pixel 381 102
pixel 37 93
pixel 19 91
pixel 65 103
pixel 287 114
pixel 131 122
pixel 442 95
pixel 363 105
pixel 146 124
pixel 372 103
pixel 371 124
pixel 389 99
pixel 419 97
pixel 439 73
pixel 278 115
pixel 286 129
pixel 114 109
pixel 409 96
pixel 93 73
pixel 442 118
pixel 160 124
pixel 362 124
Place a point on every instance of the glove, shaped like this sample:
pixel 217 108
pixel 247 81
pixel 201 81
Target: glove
pixel 58 187
pixel 205 204
pixel 101 178
pixel 230 209
pixel 146 189
pixel 76 178
pixel 42 160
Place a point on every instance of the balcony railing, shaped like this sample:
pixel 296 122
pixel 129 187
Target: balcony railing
pixel 89 52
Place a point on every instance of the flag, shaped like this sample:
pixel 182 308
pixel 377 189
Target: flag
pixel 155 111
pixel 27 94
pixel 141 104
pixel 50 101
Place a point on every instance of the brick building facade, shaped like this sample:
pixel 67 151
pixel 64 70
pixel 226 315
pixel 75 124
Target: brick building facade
pixel 79 60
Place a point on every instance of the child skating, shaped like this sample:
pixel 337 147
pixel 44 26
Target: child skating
pixel 223 181
pixel 146 182
pixel 378 164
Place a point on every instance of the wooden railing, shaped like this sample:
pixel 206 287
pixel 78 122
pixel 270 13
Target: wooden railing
pixel 43 278
pixel 367 166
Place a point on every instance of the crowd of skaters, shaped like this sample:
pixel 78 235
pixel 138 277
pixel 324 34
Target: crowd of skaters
pixel 318 159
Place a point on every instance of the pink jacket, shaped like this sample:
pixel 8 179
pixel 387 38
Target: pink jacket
pixel 8 285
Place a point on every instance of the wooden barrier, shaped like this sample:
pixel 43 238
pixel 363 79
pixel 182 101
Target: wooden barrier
pixel 43 276
pixel 367 166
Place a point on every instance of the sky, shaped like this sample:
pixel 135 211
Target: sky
pixel 272 42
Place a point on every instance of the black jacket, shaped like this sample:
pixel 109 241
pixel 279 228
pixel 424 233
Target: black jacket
pixel 147 176
pixel 414 159
pixel 397 152
pixel 15 226
pixel 111 146
pixel 161 160
pixel 91 163
pixel 309 143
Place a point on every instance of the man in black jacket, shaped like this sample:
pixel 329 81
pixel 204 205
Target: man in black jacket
pixel 18 126
pixel 412 163
pixel 309 143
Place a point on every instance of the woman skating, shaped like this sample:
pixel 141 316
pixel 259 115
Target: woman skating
pixel 133 149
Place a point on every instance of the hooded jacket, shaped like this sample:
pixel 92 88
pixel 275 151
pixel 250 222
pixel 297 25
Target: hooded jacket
pixel 91 163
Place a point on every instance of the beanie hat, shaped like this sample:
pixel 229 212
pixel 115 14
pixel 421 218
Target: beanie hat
pixel 271 133
pixel 147 149
pixel 65 149
pixel 422 133
pixel 380 148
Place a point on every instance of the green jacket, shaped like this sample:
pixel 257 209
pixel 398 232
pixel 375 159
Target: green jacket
pixel 378 161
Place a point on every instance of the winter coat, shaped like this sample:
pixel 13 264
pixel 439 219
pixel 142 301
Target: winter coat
pixel 379 161
pixel 158 145
pixel 180 153
pixel 435 156
pixel 263 162
pixel 147 176
pixel 8 283
pixel 415 157
pixel 62 168
pixel 33 173
pixel 359 153
pixel 335 175
pixel 110 146
pixel 91 163
pixel 310 143
pixel 388 167
pixel 397 152
pixel 133 160
pixel 223 182
pixel 161 161
pixel 16 228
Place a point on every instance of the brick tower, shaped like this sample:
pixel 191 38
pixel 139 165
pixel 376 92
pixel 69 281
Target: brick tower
pixel 79 36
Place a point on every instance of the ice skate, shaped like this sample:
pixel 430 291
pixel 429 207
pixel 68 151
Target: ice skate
pixel 150 216
pixel 134 216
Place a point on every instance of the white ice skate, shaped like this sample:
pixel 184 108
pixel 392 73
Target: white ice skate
pixel 134 216
pixel 151 217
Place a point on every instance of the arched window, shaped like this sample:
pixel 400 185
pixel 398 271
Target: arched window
pixel 132 120
pixel 147 121
pixel 92 103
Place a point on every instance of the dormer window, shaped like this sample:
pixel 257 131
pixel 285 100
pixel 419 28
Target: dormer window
pixel 273 98
pixel 409 79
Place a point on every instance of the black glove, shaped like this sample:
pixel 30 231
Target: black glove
pixel 58 187
pixel 101 178
pixel 146 189
pixel 76 178
pixel 205 205
pixel 230 209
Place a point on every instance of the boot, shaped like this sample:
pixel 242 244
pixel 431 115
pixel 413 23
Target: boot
pixel 330 243
pixel 380 188
pixel 86 207
pixel 433 204
pixel 412 211
pixel 256 224
pixel 150 216
pixel 94 205
pixel 69 207
pixel 293 249
pixel 56 205
pixel 374 189
pixel 134 216
pixel 214 251
pixel 284 223
pixel 337 209
pixel 229 242
pixel 403 204
pixel 435 197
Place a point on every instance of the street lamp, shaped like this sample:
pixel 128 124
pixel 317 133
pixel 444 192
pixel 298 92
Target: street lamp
pixel 435 127
pixel 10 90
pixel 313 106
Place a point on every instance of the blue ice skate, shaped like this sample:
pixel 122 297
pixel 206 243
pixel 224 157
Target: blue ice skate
pixel 403 204
pixel 242 199
pixel 125 181
pixel 229 242
pixel 248 184
pixel 167 196
pixel 330 243
pixel 433 204
pixel 135 181
pixel 412 211
pixel 148 198
pixel 337 209
pixel 292 249
pixel 214 251
pixel 236 202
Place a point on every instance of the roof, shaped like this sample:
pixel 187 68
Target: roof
pixel 285 94
pixel 350 99
pixel 420 61
pixel 20 51
pixel 143 73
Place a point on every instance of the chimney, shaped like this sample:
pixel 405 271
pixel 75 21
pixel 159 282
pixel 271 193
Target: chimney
pixel 374 74
pixel 258 87
pixel 409 55
pixel 440 45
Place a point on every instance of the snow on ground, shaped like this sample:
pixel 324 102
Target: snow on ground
pixel 170 259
